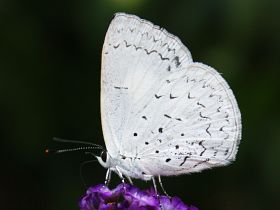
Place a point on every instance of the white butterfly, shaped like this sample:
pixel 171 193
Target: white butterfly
pixel 162 114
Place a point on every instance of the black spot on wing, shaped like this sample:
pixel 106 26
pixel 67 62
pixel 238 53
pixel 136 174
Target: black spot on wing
pixel 169 49
pixel 169 68
pixel 199 104
pixel 137 48
pixel 204 117
pixel 155 40
pixel 149 52
pixel 222 130
pixel 220 98
pixel 201 162
pixel 204 148
pixel 144 117
pixel 116 46
pixel 207 129
pixel 176 60
pixel 160 130
pixel 118 87
pixel 126 44
pixel 162 58
pixel 167 160
pixel 189 96
pixel 172 97
pixel 165 115
pixel 226 152
pixel 157 97
pixel 185 159
pixel 215 153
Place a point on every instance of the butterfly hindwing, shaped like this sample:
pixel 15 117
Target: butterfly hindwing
pixel 200 128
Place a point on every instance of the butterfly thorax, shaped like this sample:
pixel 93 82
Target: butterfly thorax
pixel 130 166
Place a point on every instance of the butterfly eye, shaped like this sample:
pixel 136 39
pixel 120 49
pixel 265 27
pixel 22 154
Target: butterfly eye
pixel 103 156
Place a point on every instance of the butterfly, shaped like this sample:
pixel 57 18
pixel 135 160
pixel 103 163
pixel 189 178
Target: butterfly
pixel 162 113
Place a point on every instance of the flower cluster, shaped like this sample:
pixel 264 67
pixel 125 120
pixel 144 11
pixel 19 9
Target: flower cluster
pixel 128 197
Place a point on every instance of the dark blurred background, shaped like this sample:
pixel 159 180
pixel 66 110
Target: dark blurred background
pixel 50 56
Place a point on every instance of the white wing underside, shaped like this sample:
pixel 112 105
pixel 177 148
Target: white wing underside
pixel 159 107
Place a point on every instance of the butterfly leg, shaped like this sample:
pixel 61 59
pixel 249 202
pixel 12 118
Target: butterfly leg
pixel 155 188
pixel 161 185
pixel 121 176
pixel 108 177
pixel 155 185
pixel 129 179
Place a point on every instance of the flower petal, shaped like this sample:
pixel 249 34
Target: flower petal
pixel 128 197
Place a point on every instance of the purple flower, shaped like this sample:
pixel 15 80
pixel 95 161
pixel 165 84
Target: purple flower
pixel 128 197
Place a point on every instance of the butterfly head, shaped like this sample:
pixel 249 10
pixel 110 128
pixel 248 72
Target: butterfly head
pixel 104 159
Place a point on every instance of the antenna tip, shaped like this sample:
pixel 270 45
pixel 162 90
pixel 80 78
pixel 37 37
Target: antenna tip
pixel 48 151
